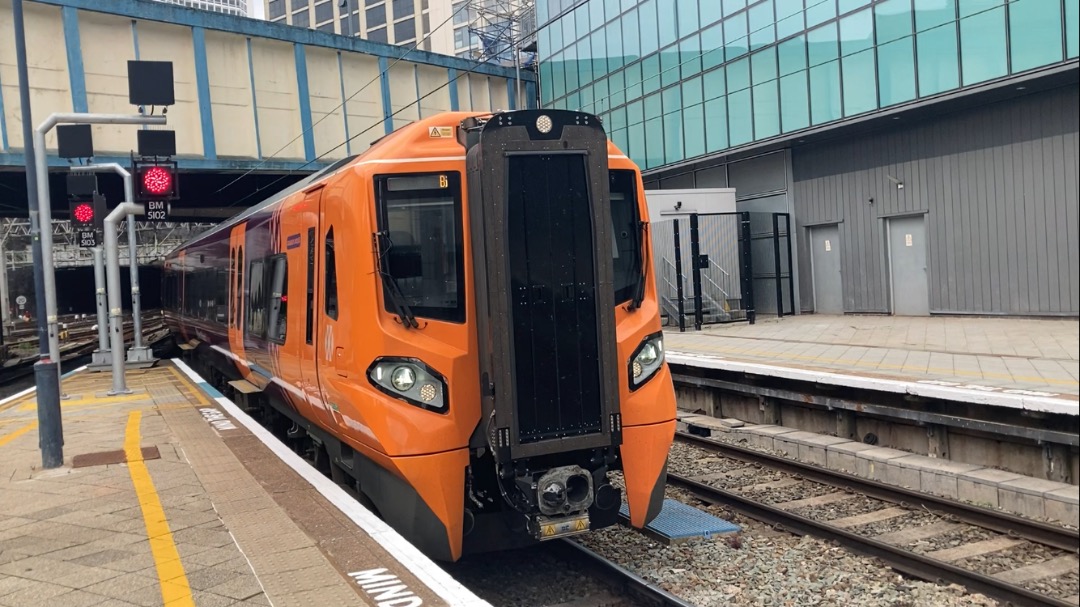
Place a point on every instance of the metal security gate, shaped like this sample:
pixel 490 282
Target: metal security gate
pixel 723 267
pixel 702 268
pixel 770 234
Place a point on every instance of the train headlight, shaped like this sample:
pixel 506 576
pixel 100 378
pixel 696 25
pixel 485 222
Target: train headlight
pixel 647 360
pixel 412 381
pixel 403 378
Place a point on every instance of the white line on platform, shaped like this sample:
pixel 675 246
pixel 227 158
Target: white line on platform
pixel 425 570
pixel 1015 400
pixel 32 388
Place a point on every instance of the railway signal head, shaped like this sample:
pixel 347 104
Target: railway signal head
pixel 156 181
pixel 82 213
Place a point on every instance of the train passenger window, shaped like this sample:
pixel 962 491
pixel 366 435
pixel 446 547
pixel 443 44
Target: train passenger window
pixel 626 233
pixel 231 295
pixel 331 275
pixel 279 298
pixel 241 293
pixel 309 326
pixel 256 313
pixel 421 244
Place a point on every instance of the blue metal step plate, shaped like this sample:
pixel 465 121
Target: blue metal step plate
pixel 678 522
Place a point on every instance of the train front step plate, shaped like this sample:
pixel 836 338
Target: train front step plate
pixel 678 522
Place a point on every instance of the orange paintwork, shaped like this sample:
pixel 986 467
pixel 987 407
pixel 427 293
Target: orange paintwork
pixel 326 380
pixel 643 464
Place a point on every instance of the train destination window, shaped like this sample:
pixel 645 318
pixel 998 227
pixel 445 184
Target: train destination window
pixel 421 245
pixel 279 298
pixel 625 235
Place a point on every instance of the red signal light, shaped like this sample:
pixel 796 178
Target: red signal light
pixel 157 181
pixel 84 213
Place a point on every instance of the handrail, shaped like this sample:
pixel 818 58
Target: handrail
pixel 718 267
pixel 718 287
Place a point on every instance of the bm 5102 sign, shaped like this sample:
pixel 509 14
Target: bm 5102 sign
pixel 157 210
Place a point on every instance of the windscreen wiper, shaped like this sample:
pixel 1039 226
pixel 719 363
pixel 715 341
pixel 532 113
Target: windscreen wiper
pixel 390 285
pixel 639 286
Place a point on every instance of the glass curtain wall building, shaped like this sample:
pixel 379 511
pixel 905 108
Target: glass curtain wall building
pixel 678 79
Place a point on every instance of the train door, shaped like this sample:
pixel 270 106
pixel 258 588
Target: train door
pixel 236 298
pixel 332 339
pixel 311 346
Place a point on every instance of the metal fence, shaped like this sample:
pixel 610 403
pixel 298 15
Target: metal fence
pixel 711 267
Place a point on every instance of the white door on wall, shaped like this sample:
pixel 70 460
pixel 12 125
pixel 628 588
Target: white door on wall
pixel 825 261
pixel 907 266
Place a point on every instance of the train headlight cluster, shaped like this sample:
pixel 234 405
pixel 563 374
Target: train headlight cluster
pixel 412 381
pixel 647 360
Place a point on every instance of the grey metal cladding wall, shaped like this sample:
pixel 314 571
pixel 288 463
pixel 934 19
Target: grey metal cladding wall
pixel 998 185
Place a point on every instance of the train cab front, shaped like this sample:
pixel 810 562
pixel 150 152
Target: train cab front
pixel 551 430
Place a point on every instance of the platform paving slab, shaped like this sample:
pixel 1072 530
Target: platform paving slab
pixel 1009 358
pixel 78 536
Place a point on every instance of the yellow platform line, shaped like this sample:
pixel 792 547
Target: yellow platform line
pixel 194 389
pixel 7 438
pixel 175 591
pixel 108 400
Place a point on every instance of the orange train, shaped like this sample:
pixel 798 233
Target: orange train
pixel 461 324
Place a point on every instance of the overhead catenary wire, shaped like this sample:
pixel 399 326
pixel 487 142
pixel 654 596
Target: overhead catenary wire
pixel 341 105
pixel 373 125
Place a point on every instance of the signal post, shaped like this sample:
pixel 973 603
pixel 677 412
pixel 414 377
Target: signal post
pixel 149 83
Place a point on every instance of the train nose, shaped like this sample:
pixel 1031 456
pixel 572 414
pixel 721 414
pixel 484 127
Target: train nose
pixel 565 489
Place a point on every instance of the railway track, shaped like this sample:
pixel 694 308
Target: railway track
pixel 922 522
pixel 79 342
pixel 626 588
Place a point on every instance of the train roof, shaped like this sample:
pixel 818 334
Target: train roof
pixel 414 133
pixel 408 131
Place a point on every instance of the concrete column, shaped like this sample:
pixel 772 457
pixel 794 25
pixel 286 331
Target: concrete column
pixel 937 438
pixel 1056 462
pixel 770 410
pixel 845 425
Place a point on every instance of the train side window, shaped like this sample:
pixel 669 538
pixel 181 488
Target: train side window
pixel 330 261
pixel 309 327
pixel 256 312
pixel 279 298
pixel 230 286
pixel 241 293
pixel 626 233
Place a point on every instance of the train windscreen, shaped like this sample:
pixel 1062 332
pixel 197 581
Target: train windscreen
pixel 420 223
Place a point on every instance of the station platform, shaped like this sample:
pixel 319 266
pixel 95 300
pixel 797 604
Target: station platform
pixel 1029 364
pixel 172 496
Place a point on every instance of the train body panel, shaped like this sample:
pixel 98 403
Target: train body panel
pixel 352 300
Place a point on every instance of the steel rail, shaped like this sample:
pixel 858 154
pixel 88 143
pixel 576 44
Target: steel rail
pixel 1002 522
pixel 627 581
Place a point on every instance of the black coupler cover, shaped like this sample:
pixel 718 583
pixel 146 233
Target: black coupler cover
pixel 540 214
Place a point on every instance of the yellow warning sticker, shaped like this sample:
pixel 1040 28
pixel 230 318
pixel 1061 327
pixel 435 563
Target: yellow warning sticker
pixel 438 132
pixel 581 525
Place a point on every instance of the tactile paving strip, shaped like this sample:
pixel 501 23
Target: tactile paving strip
pixel 677 521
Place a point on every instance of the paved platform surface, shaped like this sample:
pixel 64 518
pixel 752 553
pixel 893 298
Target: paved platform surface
pixel 1020 357
pixel 200 512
